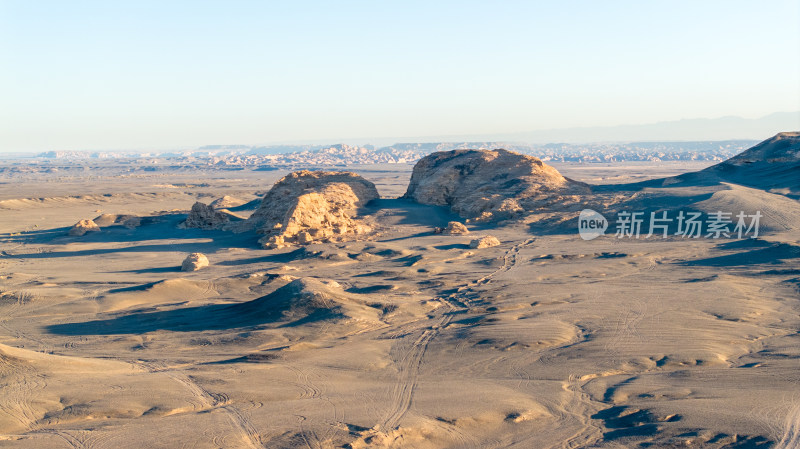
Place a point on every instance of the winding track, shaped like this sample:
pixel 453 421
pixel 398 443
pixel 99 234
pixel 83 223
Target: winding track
pixel 205 400
pixel 409 363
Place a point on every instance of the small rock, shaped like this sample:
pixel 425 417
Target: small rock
pixel 194 262
pixel 455 228
pixel 82 227
pixel 486 241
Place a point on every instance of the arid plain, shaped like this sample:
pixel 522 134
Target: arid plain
pixel 400 336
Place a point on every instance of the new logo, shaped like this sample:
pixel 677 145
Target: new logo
pixel 591 224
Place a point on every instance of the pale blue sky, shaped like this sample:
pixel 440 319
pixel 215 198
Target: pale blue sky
pixel 161 74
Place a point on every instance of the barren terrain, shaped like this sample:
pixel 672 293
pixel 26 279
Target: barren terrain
pixel 405 338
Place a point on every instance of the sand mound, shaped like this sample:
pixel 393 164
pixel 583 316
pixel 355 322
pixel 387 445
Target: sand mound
pixel 778 213
pixel 305 299
pixel 203 216
pixel 129 221
pixel 486 241
pixel 488 184
pixel 168 291
pixel 306 207
pixel 772 164
pixel 82 227
pixel 194 262
pixel 781 148
pixel 226 202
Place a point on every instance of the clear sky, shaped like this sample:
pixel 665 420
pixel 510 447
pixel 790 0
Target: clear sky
pixel 169 74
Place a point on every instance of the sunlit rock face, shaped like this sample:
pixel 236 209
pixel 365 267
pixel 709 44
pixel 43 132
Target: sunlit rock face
pixel 312 206
pixel 488 185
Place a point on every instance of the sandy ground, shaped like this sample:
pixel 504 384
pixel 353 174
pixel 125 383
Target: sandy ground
pixel 546 341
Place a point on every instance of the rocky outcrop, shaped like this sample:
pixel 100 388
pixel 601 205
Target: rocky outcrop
pixel 203 216
pixel 82 227
pixel 194 262
pixel 486 241
pixel 453 228
pixel 487 185
pixel 311 206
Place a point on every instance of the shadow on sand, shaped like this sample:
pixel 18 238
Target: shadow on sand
pixel 155 229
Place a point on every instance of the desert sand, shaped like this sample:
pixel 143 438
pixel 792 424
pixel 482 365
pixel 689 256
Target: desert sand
pixel 402 337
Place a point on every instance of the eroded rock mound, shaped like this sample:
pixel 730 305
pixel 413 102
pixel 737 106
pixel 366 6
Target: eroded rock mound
pixel 203 216
pixel 453 228
pixel 194 262
pixel 487 185
pixel 82 227
pixel 486 241
pixel 306 207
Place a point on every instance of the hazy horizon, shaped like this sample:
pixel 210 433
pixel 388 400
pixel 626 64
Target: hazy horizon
pixel 99 76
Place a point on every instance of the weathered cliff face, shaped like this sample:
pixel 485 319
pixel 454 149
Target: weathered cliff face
pixel 306 207
pixel 487 185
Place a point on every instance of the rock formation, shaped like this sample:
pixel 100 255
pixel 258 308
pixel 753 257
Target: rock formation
pixel 194 262
pixel 311 206
pixel 453 228
pixel 486 241
pixel 203 216
pixel 82 227
pixel 487 185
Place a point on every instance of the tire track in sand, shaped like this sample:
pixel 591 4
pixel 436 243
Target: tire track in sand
pixel 21 381
pixel 409 364
pixel 206 400
pixel 509 262
pixel 311 439
pixel 408 372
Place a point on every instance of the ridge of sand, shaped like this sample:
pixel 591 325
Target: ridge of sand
pixel 772 165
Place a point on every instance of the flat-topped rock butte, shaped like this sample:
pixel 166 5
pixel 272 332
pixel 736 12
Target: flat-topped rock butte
pixel 487 185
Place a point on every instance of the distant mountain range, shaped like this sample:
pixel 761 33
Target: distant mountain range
pixel 244 157
pixel 723 128
pixel 695 139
